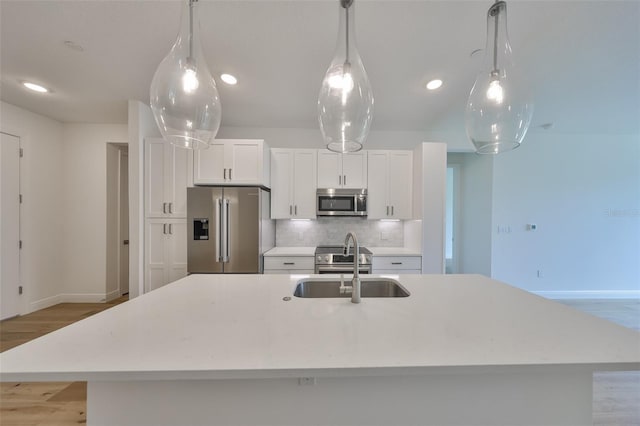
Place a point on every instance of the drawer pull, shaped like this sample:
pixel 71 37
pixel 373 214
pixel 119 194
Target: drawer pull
pixel 289 263
pixel 396 263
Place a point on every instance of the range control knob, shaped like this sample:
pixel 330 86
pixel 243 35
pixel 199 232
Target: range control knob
pixel 320 258
pixel 326 258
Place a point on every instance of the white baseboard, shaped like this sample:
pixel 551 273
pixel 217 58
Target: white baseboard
pixel 590 294
pixel 72 298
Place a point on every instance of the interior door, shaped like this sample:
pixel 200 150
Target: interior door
pixel 10 226
pixel 203 225
pixel 243 219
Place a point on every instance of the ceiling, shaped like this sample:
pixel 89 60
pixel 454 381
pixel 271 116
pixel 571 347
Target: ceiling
pixel 581 58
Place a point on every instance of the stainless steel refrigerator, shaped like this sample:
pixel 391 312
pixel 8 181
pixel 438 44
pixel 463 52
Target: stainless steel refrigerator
pixel 229 229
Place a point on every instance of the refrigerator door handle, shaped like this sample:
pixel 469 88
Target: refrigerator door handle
pixel 218 254
pixel 225 259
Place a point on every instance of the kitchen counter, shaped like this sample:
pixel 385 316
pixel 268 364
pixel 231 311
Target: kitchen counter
pixel 212 327
pixel 394 251
pixel 291 251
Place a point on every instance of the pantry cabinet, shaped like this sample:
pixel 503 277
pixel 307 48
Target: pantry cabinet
pixel 293 177
pixel 165 179
pixel 342 170
pixel 390 181
pixel 232 162
pixel 165 252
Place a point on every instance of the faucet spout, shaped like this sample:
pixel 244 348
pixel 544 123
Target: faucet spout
pixel 355 283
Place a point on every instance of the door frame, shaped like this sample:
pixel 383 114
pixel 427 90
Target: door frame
pixel 23 305
pixel 123 150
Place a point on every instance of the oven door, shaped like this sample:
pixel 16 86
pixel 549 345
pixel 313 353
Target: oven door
pixel 341 269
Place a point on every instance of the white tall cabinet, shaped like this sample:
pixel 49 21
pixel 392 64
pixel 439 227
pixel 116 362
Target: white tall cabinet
pixel 232 162
pixel 342 170
pixel 165 251
pixel 165 198
pixel 293 179
pixel 390 181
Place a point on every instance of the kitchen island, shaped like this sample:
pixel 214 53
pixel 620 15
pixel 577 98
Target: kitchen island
pixel 241 350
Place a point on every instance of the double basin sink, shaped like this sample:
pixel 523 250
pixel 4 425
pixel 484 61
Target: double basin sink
pixel 369 287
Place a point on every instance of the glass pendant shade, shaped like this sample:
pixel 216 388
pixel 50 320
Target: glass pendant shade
pixel 184 97
pixel 345 103
pixel 499 108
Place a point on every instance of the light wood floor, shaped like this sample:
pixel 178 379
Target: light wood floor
pixel 616 396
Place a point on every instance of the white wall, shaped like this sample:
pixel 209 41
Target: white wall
pixel 583 193
pixel 42 210
pixel 85 201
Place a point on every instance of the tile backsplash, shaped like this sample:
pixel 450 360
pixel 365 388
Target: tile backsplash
pixel 332 231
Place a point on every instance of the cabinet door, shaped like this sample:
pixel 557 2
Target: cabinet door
pixel 329 169
pixel 155 168
pixel 209 164
pixel 377 203
pixel 244 162
pixel 281 183
pixel 177 250
pixel 354 170
pixel 155 254
pixel 304 184
pixel 400 184
pixel 176 183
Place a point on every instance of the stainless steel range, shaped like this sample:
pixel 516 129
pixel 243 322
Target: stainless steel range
pixel 332 260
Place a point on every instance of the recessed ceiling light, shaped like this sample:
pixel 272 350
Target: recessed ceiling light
pixel 229 79
pixel 434 84
pixel 35 87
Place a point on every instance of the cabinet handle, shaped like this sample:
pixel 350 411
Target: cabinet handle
pixel 344 180
pixel 225 174
pixel 164 207
pixel 230 178
pixel 290 210
pixel 171 229
pixel 387 210
pixel 339 179
pixel 396 263
pixel 164 228
pixel 392 211
pixel 288 263
pixel 295 210
pixel 170 208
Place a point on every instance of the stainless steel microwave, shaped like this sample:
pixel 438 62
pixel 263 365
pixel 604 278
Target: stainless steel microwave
pixel 341 202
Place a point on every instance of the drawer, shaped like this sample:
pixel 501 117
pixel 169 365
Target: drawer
pixel 289 271
pixel 397 262
pixel 289 262
pixel 397 271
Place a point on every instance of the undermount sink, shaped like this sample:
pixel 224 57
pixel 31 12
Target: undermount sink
pixel 369 287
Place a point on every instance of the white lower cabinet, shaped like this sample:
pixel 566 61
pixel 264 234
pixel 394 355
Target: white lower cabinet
pixel 289 265
pixel 396 265
pixel 165 252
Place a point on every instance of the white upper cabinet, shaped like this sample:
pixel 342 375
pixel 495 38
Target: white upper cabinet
pixel 342 170
pixel 165 179
pixel 390 184
pixel 232 162
pixel 293 177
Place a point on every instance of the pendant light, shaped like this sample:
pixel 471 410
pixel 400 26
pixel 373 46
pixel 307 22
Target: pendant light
pixel 184 97
pixel 498 111
pixel 345 103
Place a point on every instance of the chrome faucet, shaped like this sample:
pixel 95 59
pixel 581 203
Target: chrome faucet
pixel 354 288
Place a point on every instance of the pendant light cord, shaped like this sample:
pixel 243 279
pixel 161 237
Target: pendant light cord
pixel 495 12
pixel 191 5
pixel 346 4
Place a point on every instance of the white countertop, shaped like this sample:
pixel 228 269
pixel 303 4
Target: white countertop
pixel 393 251
pixel 239 326
pixel 291 251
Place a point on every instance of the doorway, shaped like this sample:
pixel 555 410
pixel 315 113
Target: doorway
pixel 117 240
pixel 452 219
pixel 10 226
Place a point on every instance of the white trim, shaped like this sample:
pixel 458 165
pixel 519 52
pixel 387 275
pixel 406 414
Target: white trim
pixel 590 294
pixel 44 303
pixel 73 298
pixel 112 295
